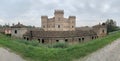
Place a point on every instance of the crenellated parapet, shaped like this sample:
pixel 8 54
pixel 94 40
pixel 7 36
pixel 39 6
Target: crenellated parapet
pixel 59 13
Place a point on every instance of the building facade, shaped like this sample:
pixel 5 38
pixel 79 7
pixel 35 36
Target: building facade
pixel 18 30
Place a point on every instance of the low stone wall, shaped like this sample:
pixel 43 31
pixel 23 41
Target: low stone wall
pixel 70 40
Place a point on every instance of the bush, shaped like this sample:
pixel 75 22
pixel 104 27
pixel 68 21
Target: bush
pixel 60 45
pixel 32 43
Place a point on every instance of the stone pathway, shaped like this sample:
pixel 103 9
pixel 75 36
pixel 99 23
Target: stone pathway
pixel 110 52
pixel 5 55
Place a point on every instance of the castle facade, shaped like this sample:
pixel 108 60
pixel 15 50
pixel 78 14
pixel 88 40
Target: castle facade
pixel 60 29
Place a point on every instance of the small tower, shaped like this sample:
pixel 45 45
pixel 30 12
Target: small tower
pixel 72 20
pixel 44 22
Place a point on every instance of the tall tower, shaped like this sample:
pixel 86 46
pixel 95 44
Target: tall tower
pixel 59 19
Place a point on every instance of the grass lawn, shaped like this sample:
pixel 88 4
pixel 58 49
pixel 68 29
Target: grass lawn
pixel 33 52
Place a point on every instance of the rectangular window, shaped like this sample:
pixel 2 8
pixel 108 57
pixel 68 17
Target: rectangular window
pixel 72 26
pixel 39 40
pixel 103 31
pixel 43 26
pixel 43 41
pixel 58 26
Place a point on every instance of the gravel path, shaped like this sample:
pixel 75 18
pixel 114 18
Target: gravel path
pixel 5 55
pixel 110 52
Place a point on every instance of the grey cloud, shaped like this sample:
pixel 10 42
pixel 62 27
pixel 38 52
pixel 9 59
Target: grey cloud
pixel 85 10
pixel 14 7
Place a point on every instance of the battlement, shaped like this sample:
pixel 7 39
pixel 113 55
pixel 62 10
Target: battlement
pixel 59 12
pixel 72 17
pixel 44 16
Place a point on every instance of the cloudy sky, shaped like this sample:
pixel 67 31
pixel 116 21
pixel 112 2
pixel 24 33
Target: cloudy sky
pixel 88 12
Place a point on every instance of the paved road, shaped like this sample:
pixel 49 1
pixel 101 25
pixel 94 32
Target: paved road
pixel 5 55
pixel 110 52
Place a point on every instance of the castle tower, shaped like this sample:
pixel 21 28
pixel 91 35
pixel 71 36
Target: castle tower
pixel 44 22
pixel 72 20
pixel 58 22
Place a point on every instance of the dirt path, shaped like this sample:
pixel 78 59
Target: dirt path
pixel 110 52
pixel 5 55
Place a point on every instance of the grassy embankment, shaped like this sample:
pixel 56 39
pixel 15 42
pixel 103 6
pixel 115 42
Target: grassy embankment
pixel 35 52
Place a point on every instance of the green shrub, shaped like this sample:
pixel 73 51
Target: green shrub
pixel 33 43
pixel 60 45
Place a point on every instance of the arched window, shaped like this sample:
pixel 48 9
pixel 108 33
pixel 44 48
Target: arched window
pixel 15 31
pixel 66 40
pixel 24 37
pixel 92 37
pixel 57 40
pixel 27 38
pixel 83 39
pixel 79 39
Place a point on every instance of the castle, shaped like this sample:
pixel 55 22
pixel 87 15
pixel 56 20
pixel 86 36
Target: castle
pixel 60 29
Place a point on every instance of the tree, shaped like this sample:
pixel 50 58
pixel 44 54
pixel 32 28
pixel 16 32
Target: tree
pixel 6 25
pixel 111 25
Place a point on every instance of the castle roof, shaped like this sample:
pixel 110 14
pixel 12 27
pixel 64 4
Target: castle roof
pixel 59 34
